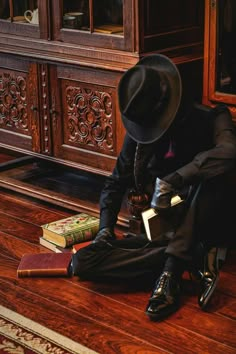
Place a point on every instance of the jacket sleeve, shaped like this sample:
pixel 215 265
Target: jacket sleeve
pixel 221 157
pixel 117 183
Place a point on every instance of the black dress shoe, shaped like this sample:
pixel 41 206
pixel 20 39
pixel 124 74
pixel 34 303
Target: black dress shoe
pixel 104 235
pixel 165 298
pixel 209 279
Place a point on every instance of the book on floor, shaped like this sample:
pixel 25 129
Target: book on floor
pixel 52 246
pixel 71 230
pixel 156 225
pixel 44 265
pixel 57 249
pixel 76 247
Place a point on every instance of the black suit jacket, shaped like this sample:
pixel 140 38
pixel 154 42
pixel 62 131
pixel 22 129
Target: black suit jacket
pixel 203 143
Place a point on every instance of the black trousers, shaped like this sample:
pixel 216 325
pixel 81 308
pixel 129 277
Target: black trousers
pixel 208 217
pixel 121 259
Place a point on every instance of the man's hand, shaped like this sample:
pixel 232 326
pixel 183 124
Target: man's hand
pixel 104 235
pixel 161 199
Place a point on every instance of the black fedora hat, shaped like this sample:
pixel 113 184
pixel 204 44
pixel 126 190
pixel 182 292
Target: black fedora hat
pixel 149 97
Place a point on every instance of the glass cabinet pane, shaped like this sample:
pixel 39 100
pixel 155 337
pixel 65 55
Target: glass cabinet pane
pixel 4 10
pixel 108 16
pixel 22 11
pixel 76 14
pixel 102 16
pixel 226 48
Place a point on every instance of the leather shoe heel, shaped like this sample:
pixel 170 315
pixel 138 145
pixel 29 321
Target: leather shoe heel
pixel 210 277
pixel 165 297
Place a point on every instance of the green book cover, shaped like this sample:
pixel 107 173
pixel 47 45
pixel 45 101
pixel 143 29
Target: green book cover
pixel 73 229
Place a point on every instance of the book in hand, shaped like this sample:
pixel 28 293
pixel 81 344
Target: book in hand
pixel 71 230
pixel 156 225
pixel 44 265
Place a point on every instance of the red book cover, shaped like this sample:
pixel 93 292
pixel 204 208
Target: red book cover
pixel 78 246
pixel 44 265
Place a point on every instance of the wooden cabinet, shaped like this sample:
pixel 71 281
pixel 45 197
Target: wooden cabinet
pixel 19 103
pixel 220 53
pixel 103 23
pixel 60 68
pixel 16 18
pixel 86 128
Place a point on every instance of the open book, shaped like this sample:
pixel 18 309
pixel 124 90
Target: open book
pixel 154 224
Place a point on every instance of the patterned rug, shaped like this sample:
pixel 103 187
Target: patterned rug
pixel 20 335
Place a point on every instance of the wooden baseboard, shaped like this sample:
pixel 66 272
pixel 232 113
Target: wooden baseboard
pixel 66 187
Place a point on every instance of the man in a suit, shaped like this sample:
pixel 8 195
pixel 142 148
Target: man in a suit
pixel 171 146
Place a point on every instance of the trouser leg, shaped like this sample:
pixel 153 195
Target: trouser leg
pixel 207 211
pixel 120 259
pixel 181 244
pixel 216 213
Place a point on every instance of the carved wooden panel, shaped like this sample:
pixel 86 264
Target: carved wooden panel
pixel 45 125
pixel 88 117
pixel 13 101
pixel 19 107
pixel 86 125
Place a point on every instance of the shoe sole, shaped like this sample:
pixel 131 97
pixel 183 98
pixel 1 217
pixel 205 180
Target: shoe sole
pixel 159 317
pixel 208 298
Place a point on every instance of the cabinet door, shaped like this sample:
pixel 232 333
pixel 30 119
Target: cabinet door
pixel 87 128
pixel 28 18
pixel 220 53
pixel 19 116
pixel 170 24
pixel 99 23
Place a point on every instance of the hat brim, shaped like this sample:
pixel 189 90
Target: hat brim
pixel 155 128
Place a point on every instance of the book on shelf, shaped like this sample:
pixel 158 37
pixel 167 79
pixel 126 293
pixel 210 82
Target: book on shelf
pixel 44 265
pixel 109 29
pixel 71 230
pixel 156 225
pixel 57 249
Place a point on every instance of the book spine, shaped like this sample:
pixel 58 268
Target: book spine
pixel 49 245
pixel 78 236
pixel 42 273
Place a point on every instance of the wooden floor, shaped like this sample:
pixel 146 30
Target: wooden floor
pixel 108 318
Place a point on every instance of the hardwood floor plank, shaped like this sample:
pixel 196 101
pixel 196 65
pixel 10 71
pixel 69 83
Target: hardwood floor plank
pixel 105 316
pixel 19 228
pixel 29 209
pixel 5 158
pixel 230 264
pixel 67 188
pixel 137 301
pixel 227 283
pixel 229 310
pixel 14 247
pixel 127 315
pixel 64 320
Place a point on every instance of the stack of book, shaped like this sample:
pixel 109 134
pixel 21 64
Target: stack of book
pixel 65 234
pixel 64 237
